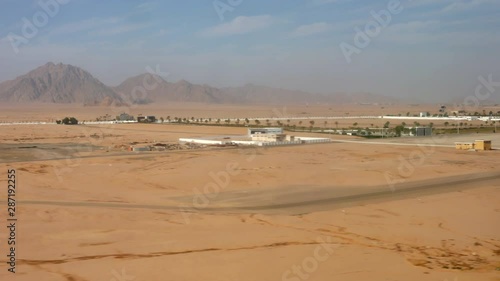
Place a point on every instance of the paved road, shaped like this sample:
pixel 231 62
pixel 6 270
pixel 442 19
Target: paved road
pixel 294 201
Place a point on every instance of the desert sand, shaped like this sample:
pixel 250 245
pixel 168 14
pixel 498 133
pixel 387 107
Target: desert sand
pixel 347 210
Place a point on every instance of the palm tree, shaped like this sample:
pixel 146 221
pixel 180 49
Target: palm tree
pixel 337 124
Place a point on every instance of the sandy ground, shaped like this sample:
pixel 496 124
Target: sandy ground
pixel 284 213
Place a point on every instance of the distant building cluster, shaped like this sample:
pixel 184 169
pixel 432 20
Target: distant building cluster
pixel 257 137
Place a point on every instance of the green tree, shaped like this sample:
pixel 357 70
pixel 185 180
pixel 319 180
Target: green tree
pixel 399 129
pixel 69 121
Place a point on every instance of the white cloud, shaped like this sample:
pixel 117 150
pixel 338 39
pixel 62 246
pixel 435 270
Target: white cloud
pixel 145 6
pixel 99 27
pixel 314 28
pixel 84 25
pixel 420 3
pixel 466 5
pixel 122 28
pixel 239 25
pixel 324 2
pixel 413 26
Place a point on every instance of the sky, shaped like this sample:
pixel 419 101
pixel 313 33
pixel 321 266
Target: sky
pixel 427 50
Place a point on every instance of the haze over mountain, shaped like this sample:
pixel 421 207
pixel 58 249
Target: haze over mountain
pixel 148 88
pixel 66 84
pixel 59 83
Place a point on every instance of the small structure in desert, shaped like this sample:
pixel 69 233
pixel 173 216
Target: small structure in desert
pixel 476 145
pixel 464 145
pixel 267 131
pixel 421 132
pixel 482 145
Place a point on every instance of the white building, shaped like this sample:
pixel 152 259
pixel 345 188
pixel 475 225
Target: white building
pixel 258 137
pixel 273 131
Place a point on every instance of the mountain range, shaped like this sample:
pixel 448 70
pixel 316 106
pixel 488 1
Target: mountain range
pixel 67 84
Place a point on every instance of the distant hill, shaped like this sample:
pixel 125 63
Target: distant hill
pixel 58 83
pixel 251 93
pixel 159 91
pixel 363 98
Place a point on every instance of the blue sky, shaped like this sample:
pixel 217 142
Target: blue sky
pixel 430 49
